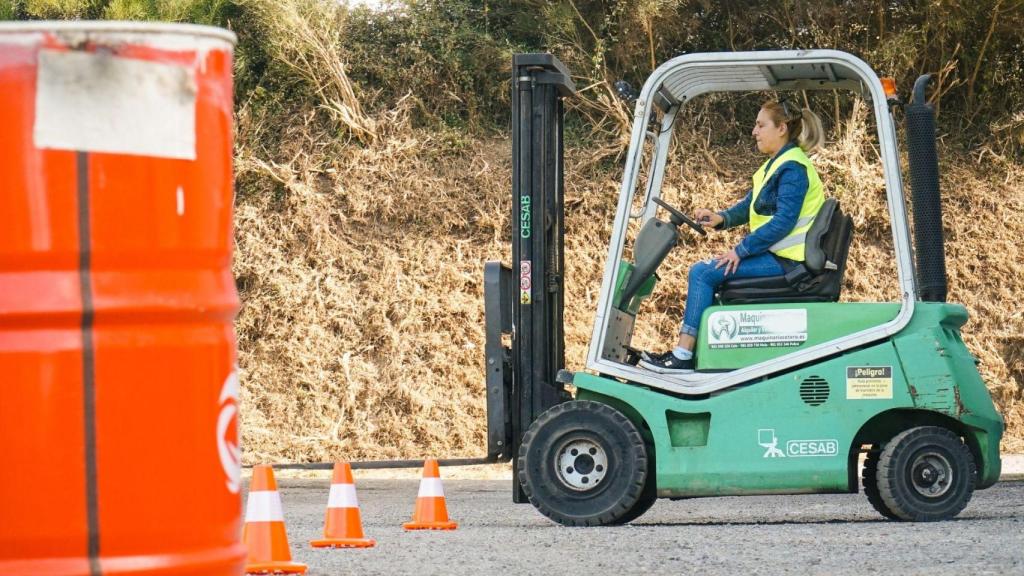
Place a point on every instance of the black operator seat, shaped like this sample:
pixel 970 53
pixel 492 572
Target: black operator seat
pixel 818 279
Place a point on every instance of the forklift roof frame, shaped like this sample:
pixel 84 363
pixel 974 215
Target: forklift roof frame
pixel 684 78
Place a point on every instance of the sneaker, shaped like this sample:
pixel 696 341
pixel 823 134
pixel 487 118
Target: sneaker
pixel 652 356
pixel 668 364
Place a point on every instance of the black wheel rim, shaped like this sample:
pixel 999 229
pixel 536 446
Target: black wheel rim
pixel 931 474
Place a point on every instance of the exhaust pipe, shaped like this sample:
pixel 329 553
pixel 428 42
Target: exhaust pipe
pixel 927 203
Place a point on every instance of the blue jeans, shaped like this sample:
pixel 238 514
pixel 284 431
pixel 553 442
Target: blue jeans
pixel 704 278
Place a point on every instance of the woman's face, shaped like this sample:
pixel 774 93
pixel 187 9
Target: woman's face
pixel 770 137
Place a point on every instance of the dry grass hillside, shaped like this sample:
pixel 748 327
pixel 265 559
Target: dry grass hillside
pixel 361 331
pixel 373 166
pixel 373 182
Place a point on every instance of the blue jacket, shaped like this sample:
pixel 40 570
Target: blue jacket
pixel 782 197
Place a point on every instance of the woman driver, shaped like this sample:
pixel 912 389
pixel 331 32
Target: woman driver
pixel 780 208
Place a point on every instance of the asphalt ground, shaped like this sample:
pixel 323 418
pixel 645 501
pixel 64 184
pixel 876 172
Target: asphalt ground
pixel 805 534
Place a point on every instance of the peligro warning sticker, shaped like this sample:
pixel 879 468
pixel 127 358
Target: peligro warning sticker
pixel 869 382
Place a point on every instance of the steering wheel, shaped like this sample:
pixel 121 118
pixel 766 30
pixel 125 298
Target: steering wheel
pixel 678 217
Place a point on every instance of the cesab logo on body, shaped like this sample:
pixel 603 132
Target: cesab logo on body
pixel 828 447
pixel 227 433
pixel 767 439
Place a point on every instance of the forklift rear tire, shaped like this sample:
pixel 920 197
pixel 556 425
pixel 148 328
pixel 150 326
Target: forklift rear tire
pixel 869 479
pixel 926 474
pixel 583 463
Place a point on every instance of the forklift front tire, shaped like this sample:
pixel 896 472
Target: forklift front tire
pixel 926 474
pixel 647 498
pixel 583 463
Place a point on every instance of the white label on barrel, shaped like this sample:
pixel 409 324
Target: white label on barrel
pixel 98 102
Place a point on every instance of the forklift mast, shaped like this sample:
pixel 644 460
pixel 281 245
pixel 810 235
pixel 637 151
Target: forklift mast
pixel 526 300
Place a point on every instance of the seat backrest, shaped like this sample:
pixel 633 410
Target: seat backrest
pixel 828 240
pixel 815 256
pixel 837 245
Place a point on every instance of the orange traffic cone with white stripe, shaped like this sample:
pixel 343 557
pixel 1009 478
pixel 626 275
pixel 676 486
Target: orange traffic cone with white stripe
pixel 431 512
pixel 342 525
pixel 264 533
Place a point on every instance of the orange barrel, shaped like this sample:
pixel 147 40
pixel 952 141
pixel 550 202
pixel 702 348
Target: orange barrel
pixel 118 386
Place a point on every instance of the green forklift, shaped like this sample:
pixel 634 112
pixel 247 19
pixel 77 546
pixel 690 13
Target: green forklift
pixel 794 391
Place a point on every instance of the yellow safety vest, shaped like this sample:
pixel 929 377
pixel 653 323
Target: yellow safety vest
pixel 792 246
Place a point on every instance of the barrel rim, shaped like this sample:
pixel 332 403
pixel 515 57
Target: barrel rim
pixel 118 27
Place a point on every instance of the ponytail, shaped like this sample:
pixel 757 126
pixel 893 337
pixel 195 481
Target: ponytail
pixel 811 134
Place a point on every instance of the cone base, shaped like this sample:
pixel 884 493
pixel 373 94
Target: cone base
pixel 343 543
pixel 275 568
pixel 430 525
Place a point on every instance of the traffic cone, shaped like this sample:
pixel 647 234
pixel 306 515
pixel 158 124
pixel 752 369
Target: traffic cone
pixel 342 526
pixel 264 534
pixel 431 512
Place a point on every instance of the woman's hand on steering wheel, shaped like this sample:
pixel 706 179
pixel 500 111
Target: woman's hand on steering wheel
pixel 707 218
pixel 678 218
